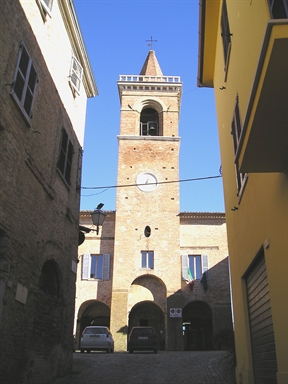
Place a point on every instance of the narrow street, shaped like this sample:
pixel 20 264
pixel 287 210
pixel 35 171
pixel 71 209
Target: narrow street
pixel 197 367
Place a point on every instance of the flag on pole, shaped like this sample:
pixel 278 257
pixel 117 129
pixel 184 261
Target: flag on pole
pixel 190 274
pixel 191 281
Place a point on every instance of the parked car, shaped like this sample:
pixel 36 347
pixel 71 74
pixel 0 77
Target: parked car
pixel 142 339
pixel 96 338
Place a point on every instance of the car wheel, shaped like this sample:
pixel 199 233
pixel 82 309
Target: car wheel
pixel 108 350
pixel 155 350
pixel 130 350
pixel 82 350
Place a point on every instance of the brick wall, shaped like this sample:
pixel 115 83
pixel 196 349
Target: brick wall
pixel 38 212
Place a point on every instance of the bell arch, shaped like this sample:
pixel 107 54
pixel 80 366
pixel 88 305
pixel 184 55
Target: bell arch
pixel 151 118
pixel 197 326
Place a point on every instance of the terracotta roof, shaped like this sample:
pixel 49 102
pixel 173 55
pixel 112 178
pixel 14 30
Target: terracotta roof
pixel 202 215
pixel 182 215
pixel 87 213
pixel 151 66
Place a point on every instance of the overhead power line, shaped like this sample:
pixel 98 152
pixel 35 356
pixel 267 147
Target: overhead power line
pixel 160 182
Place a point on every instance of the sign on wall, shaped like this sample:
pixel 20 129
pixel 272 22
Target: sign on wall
pixel 175 312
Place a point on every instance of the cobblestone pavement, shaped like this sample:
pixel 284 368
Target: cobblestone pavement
pixel 193 367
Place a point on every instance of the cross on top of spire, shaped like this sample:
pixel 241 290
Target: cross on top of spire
pixel 151 41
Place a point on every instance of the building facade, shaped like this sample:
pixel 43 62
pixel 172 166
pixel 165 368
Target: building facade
pixel 135 272
pixel 243 53
pixel 45 80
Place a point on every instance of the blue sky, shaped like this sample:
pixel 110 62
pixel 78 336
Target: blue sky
pixel 115 34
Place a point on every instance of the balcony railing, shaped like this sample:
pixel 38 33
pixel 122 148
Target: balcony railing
pixel 152 79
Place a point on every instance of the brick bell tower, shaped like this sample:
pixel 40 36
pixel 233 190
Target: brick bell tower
pixel 147 265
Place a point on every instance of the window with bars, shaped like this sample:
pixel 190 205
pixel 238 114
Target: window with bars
pixel 236 130
pixel 75 76
pixel 226 35
pixel 96 266
pixel 278 9
pixel 65 156
pixel 147 259
pixel 24 82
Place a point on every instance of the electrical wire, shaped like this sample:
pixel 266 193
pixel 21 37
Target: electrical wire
pixel 160 182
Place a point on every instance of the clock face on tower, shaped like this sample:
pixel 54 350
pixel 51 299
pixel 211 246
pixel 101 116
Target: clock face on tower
pixel 146 182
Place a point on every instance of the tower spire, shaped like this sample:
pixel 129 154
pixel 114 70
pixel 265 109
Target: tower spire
pixel 151 66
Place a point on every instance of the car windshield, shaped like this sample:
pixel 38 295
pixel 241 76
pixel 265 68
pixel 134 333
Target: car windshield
pixel 95 331
pixel 143 330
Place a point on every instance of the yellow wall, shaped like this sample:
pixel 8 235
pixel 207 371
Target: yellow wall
pixel 263 209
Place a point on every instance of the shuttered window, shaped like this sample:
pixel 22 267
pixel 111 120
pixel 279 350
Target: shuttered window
pixel 76 72
pixel 65 156
pixel 261 324
pixel 194 266
pixel 47 5
pixel 278 9
pixel 226 35
pixel 236 130
pixel 24 83
pixel 96 266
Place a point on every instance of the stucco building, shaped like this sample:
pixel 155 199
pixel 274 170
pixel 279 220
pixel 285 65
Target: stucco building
pixel 243 53
pixel 45 79
pixel 135 271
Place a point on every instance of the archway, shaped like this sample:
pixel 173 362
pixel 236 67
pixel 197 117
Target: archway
pixel 92 312
pixel 147 313
pixel 197 326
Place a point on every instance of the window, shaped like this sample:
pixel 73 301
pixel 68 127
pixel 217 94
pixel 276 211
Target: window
pixel 45 6
pixel 194 266
pixel 65 156
pixel 96 267
pixel 49 280
pixel 226 35
pixel 147 259
pixel 236 133
pixel 24 82
pixel 75 75
pixel 278 9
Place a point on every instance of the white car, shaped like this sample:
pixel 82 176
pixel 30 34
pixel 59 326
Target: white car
pixel 96 338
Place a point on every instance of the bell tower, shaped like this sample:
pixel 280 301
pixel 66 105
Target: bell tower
pixel 147 265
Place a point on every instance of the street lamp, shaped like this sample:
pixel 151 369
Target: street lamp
pixel 98 217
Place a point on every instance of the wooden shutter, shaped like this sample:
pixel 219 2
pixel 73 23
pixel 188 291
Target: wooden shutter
pixel 76 73
pixel 185 266
pixel 106 266
pixel 85 266
pixel 204 259
pixel 24 83
pixel 47 5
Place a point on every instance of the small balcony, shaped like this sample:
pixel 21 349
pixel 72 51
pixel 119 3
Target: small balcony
pixel 263 145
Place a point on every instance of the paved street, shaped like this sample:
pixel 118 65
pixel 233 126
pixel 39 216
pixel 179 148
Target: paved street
pixel 205 367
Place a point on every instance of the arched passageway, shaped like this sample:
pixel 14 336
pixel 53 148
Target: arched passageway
pixel 92 312
pixel 197 326
pixel 147 313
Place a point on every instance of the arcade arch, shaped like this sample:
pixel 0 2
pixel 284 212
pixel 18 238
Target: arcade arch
pixel 147 305
pixel 92 312
pixel 197 326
